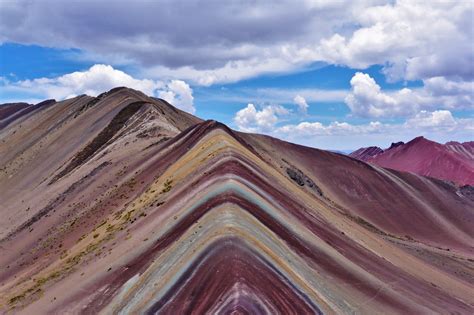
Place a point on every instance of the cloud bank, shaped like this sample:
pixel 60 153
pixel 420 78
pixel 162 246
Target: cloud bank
pixel 366 99
pixel 231 41
pixel 439 124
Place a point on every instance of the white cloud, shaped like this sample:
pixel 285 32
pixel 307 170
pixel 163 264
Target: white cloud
pixel 179 94
pixel 366 99
pixel 268 120
pixel 414 39
pixel 438 118
pixel 334 128
pixel 302 104
pixel 215 42
pixel 439 125
pixel 393 35
pixel 421 123
pixel 95 80
pixel 250 119
pixel 343 136
pixel 231 71
pixel 440 86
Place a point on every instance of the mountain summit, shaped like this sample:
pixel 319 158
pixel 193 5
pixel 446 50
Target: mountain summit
pixel 122 203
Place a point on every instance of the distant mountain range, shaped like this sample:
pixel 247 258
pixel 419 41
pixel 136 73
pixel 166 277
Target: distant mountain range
pixel 452 161
pixel 123 204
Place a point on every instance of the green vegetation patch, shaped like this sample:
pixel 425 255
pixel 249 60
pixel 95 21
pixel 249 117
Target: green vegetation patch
pixel 167 186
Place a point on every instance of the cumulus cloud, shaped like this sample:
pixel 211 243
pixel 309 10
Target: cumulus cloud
pixel 179 94
pixel 269 118
pixel 421 123
pixel 251 119
pixel 343 136
pixel 437 119
pixel 366 98
pixel 95 80
pixel 438 124
pixel 334 128
pixel 302 104
pixel 413 39
pixel 440 86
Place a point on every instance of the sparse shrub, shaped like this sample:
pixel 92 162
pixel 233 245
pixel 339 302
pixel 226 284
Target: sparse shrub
pixel 167 186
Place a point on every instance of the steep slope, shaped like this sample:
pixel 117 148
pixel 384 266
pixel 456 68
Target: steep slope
pixel 14 111
pixel 453 161
pixel 9 109
pixel 43 143
pixel 130 206
pixel 465 149
pixel 365 154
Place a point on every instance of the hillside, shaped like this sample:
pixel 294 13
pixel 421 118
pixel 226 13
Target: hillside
pixel 452 161
pixel 124 204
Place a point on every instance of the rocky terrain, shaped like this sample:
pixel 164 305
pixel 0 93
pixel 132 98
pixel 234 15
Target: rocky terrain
pixel 124 204
pixel 452 161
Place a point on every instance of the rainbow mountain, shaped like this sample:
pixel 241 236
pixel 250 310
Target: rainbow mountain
pixel 123 204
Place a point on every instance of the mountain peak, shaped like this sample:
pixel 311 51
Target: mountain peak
pixel 367 153
pixel 122 90
pixel 396 144
pixel 420 139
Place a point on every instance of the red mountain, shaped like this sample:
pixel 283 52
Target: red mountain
pixel 452 161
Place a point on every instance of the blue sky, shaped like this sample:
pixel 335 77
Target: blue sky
pixel 373 76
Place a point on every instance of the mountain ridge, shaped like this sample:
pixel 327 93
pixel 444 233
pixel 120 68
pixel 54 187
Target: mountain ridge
pixel 451 161
pixel 174 214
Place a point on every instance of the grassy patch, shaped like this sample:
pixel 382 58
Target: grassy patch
pixel 167 186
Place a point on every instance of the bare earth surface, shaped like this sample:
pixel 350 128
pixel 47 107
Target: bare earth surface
pixel 124 204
